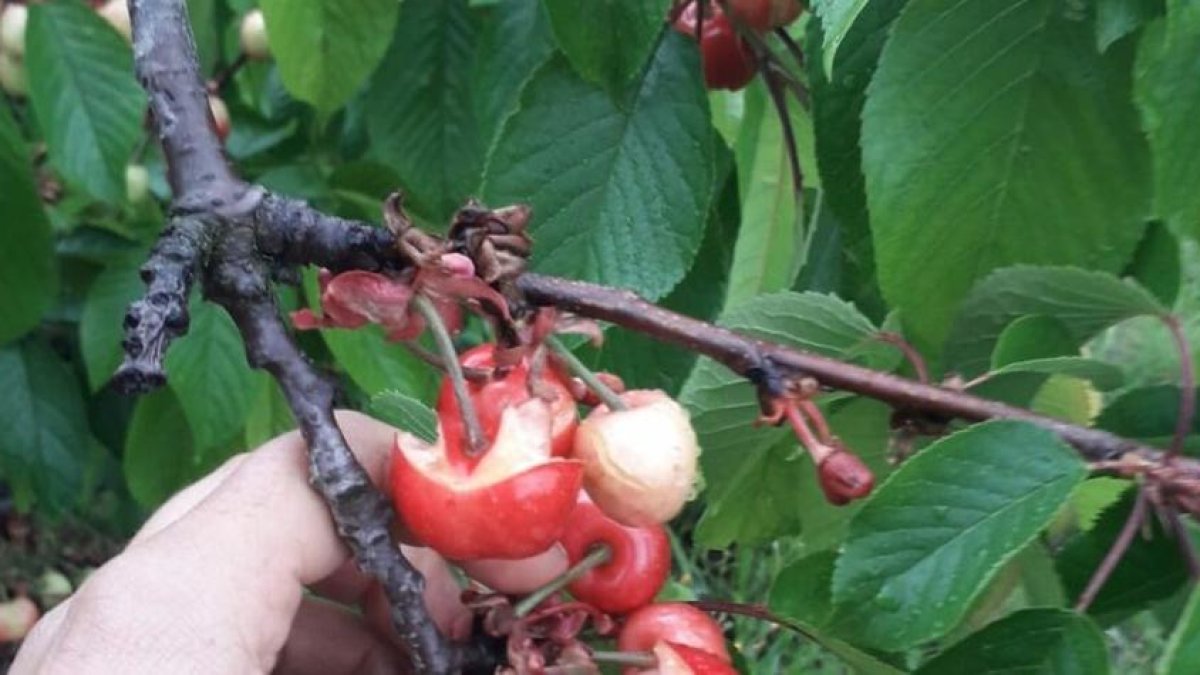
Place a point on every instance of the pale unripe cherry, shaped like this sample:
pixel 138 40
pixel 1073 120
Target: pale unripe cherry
pixel 137 183
pixel 116 12
pixel 17 616
pixel 220 116
pixel 253 36
pixel 12 29
pixel 639 463
pixel 12 75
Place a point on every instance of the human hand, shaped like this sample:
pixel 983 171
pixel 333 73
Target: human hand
pixel 215 581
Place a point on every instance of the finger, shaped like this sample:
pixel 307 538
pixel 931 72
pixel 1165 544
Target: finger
pixel 518 577
pixel 187 499
pixel 326 639
pixel 233 567
pixel 443 597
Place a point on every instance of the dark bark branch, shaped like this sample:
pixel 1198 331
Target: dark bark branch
pixel 750 358
pixel 167 66
pixel 292 232
pixel 238 281
pixel 162 314
pixel 236 238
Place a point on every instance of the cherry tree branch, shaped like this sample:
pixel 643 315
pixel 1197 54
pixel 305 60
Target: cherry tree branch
pixel 234 237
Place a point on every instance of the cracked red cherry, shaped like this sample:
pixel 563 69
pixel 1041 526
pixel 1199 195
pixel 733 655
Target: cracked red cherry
pixel 676 624
pixel 512 503
pixel 493 396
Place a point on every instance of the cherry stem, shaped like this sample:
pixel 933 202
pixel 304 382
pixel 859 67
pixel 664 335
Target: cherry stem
pixel 578 369
pixel 750 611
pixel 221 78
pixel 1136 516
pixel 814 414
pixel 472 374
pixel 476 443
pixel 598 556
pixel 635 659
pixel 792 47
pixel 910 353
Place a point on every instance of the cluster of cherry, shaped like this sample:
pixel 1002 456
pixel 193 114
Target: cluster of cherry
pixel 728 61
pixel 600 489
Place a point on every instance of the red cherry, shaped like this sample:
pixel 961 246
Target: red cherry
pixel 755 14
pixel 783 12
pixel 675 623
pixel 674 658
pixel 728 63
pixel 513 503
pixel 844 478
pixel 493 397
pixel 220 116
pixel 638 566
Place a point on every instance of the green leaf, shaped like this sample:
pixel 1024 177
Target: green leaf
pixel 646 363
pixel 516 40
pixel 837 104
pixel 325 49
pixel 1168 93
pixel 770 244
pixel 28 273
pixel 1044 641
pixel 993 134
pixel 1129 588
pixel 208 372
pixel 1104 376
pixel 619 189
pixel 1033 337
pixel 738 457
pixel 1086 302
pixel 1146 413
pixel 1094 497
pixel 837 19
pixel 269 414
pixel 1182 656
pixel 801 591
pixel 101 327
pixel 1156 264
pixel 940 528
pixel 160 457
pixel 44 441
pixel 420 109
pixel 407 413
pixel 1117 18
pixel 84 95
pixel 613 41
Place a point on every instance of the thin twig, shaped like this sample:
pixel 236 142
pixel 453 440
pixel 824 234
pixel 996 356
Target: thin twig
pixel 1111 559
